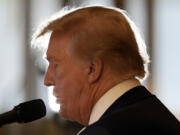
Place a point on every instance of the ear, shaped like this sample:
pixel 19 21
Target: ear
pixel 95 70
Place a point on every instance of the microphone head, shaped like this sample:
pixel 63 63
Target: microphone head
pixel 30 111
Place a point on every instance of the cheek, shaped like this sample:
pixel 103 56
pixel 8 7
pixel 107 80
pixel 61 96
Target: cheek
pixel 70 82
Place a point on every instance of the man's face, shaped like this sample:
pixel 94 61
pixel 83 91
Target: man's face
pixel 68 75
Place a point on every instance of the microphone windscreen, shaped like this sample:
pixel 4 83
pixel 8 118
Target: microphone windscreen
pixel 30 111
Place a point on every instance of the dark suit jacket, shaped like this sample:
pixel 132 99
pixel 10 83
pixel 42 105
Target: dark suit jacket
pixel 135 112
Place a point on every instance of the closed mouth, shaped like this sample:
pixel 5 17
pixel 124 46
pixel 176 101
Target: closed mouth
pixel 57 99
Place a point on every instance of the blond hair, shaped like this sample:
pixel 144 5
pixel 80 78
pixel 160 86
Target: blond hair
pixel 107 33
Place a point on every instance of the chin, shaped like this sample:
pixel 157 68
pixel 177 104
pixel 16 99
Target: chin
pixel 67 116
pixel 63 113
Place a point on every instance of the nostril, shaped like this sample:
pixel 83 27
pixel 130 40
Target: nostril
pixel 47 83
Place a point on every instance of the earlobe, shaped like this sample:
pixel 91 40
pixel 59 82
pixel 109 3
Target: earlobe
pixel 95 70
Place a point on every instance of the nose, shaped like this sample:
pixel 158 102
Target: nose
pixel 48 79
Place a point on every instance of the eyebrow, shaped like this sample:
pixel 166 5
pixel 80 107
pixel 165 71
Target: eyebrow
pixel 48 58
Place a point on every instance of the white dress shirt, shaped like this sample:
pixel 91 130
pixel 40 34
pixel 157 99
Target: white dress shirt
pixel 109 98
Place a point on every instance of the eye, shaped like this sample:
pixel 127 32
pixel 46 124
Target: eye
pixel 55 65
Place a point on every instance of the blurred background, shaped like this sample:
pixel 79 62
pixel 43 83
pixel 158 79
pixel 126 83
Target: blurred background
pixel 22 68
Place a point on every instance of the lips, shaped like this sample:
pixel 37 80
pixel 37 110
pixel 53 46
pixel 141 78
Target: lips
pixel 57 100
pixel 56 95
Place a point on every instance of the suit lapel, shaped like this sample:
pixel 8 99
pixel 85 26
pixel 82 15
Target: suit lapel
pixel 132 96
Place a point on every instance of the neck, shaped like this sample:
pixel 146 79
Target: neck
pixel 110 97
pixel 104 85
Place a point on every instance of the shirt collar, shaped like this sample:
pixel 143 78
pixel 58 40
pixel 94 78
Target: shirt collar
pixel 110 97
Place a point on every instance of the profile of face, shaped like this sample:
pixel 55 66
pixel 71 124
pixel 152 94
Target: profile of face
pixel 69 76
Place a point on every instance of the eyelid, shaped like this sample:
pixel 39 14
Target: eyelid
pixel 55 65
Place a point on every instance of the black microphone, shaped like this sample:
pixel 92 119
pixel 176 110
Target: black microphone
pixel 24 112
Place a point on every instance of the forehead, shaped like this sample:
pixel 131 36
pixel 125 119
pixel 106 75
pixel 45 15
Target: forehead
pixel 58 46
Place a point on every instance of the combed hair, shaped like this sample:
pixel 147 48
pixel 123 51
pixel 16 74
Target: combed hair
pixel 108 33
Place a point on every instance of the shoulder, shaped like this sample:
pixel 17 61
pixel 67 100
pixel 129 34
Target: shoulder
pixel 136 112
